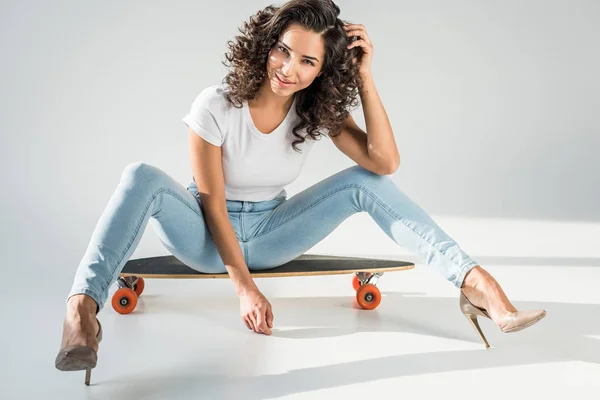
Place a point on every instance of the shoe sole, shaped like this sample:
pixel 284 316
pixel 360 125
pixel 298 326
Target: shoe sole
pixel 76 360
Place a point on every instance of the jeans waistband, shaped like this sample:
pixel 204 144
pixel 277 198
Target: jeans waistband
pixel 242 205
pixel 249 206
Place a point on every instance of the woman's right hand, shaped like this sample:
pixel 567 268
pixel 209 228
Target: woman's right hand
pixel 256 311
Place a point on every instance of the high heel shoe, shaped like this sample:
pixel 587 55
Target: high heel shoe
pixel 512 322
pixel 77 358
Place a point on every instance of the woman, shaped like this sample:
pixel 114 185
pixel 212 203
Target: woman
pixel 296 71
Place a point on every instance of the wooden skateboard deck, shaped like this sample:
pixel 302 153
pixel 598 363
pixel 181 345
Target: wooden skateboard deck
pixel 168 267
pixel 366 274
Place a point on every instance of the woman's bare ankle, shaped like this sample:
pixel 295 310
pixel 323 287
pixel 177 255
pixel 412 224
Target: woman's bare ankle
pixel 474 277
pixel 81 303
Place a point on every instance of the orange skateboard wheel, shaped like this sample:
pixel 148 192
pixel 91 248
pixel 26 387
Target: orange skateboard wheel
pixel 138 288
pixel 368 296
pixel 355 282
pixel 124 300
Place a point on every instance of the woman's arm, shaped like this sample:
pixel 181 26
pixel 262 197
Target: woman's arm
pixel 208 173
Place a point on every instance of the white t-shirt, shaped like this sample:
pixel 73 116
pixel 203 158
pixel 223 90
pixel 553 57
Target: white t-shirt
pixel 256 166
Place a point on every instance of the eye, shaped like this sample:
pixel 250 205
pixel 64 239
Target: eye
pixel 281 48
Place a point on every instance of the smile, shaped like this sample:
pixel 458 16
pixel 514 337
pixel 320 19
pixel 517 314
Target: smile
pixel 283 81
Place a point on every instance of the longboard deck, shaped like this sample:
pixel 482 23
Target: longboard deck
pixel 169 267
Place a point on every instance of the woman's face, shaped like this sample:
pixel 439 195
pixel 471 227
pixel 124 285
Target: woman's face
pixel 297 57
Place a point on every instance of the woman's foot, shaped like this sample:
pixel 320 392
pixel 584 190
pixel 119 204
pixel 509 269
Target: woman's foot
pixel 80 327
pixel 482 296
pixel 483 291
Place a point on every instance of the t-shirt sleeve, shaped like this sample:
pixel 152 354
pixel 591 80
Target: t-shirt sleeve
pixel 206 116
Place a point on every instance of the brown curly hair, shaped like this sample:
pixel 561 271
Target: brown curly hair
pixel 323 104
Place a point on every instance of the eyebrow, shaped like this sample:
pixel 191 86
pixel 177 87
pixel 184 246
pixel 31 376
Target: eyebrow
pixel 305 56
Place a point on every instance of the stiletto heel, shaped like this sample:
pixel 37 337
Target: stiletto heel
pixel 88 376
pixel 512 322
pixel 473 320
pixel 471 312
pixel 77 358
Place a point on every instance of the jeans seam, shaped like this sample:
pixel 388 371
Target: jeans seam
pixel 137 229
pixel 243 236
pixel 246 250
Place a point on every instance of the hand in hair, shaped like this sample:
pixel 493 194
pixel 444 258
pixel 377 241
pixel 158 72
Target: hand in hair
pixel 365 43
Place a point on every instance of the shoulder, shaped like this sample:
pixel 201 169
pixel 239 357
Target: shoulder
pixel 209 114
pixel 212 98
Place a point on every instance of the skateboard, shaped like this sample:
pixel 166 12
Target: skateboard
pixel 366 274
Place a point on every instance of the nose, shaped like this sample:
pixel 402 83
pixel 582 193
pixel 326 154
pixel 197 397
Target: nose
pixel 288 67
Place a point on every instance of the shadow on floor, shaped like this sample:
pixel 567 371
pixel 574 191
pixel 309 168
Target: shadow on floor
pixel 562 336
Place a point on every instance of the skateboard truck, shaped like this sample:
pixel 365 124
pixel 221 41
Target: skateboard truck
pixel 128 281
pixel 367 277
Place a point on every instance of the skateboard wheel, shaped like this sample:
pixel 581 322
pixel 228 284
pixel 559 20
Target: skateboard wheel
pixel 368 296
pixel 124 300
pixel 138 288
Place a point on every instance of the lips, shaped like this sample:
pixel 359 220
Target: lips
pixel 281 79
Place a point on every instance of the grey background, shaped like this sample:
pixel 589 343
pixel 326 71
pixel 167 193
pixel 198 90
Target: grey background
pixel 494 107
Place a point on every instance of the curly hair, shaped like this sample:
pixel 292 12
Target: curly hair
pixel 325 103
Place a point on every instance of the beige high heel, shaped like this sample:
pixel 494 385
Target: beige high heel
pixel 77 358
pixel 513 322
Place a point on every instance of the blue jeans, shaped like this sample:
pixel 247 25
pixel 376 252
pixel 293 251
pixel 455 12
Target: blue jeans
pixel 270 233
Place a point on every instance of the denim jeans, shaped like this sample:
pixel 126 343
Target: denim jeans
pixel 270 233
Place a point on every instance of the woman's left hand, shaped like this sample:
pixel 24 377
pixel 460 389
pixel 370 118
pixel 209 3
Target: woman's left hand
pixel 365 42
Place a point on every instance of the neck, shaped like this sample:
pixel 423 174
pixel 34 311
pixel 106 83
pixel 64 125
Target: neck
pixel 265 98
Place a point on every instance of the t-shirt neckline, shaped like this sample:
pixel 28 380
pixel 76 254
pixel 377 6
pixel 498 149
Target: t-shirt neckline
pixel 281 126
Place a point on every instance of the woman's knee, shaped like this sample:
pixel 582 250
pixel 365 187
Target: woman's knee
pixel 361 178
pixel 364 184
pixel 141 173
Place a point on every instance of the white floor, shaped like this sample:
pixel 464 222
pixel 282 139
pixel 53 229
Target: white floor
pixel 186 341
